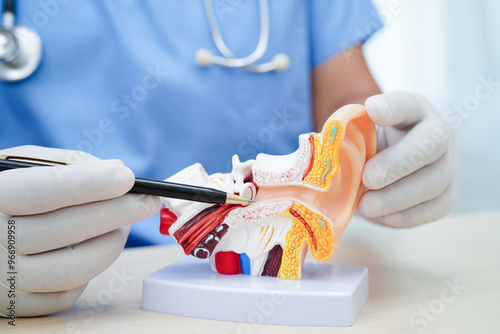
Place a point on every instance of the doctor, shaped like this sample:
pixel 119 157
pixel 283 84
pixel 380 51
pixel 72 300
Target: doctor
pixel 149 83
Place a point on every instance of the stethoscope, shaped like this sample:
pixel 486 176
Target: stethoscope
pixel 279 62
pixel 21 47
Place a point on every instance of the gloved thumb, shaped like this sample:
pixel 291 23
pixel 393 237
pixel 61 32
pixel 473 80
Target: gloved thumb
pixel 398 109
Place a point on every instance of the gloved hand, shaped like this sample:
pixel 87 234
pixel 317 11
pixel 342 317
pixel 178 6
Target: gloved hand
pixel 413 178
pixel 62 226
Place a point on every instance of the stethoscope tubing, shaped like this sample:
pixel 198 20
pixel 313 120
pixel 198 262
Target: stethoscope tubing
pixel 230 59
pixel 205 58
pixel 23 47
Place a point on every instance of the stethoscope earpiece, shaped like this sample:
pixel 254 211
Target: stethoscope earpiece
pixel 281 61
pixel 203 58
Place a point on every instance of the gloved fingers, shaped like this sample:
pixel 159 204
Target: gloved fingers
pixel 415 135
pixel 421 186
pixel 426 212
pixel 398 109
pixel 29 304
pixel 29 191
pixel 66 226
pixel 69 267
pixel 388 136
pixel 424 144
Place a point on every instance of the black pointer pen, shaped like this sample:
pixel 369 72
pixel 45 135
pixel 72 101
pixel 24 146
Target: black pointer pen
pixel 142 186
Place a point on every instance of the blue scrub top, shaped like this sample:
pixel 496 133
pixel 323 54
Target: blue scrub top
pixel 118 79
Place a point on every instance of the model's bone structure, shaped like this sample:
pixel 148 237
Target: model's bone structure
pixel 303 201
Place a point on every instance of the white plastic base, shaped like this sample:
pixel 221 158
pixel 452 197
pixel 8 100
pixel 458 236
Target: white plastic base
pixel 327 295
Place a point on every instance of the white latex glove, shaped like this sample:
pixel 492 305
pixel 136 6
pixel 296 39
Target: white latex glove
pixel 70 224
pixel 413 179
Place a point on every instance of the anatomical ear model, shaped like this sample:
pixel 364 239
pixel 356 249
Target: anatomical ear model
pixel 303 201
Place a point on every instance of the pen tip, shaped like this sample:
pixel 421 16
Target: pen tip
pixel 235 199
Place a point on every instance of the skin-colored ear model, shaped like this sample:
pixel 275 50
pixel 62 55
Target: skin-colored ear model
pixel 303 202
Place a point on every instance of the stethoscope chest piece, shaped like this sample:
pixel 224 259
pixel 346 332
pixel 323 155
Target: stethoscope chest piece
pixel 20 53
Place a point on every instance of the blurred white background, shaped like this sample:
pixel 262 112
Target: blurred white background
pixel 449 51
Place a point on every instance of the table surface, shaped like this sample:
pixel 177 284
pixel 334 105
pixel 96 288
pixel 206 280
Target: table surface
pixel 442 277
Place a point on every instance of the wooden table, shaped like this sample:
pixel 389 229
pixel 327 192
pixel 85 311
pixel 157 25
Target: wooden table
pixel 438 278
